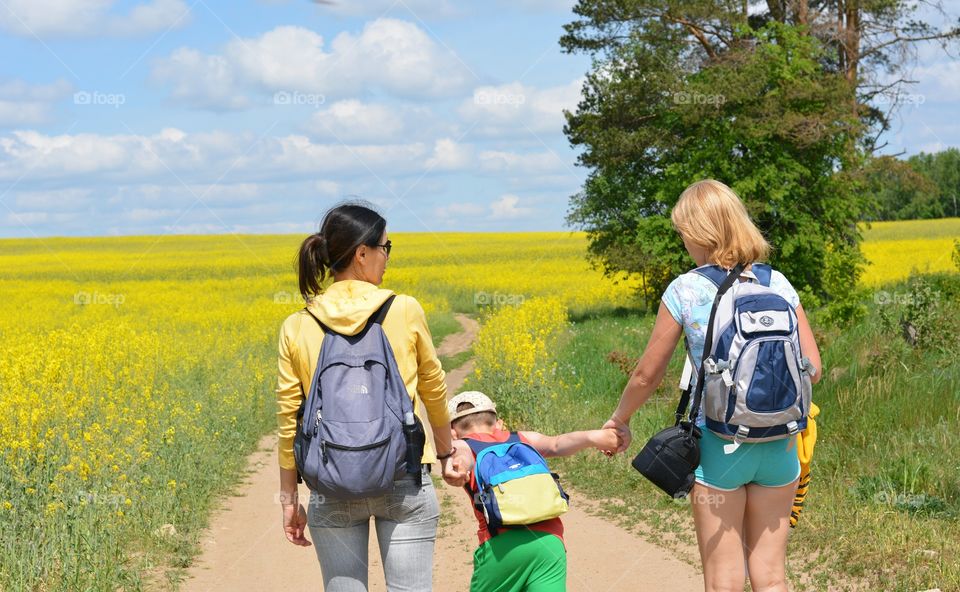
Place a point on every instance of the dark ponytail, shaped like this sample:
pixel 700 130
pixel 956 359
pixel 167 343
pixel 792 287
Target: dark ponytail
pixel 343 230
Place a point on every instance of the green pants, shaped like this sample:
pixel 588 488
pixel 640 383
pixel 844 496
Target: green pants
pixel 520 560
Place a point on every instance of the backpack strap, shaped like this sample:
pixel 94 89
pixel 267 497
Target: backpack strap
pixel 476 446
pixel 717 274
pixel 708 342
pixel 714 273
pixel 763 272
pixel 381 313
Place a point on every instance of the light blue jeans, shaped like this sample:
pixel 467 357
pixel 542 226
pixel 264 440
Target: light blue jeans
pixel 406 521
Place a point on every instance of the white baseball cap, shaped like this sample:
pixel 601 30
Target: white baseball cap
pixel 480 402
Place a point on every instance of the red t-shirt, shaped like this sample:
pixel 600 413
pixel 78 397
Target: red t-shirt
pixel 552 526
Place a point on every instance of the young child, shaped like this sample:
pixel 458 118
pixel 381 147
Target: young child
pixel 532 557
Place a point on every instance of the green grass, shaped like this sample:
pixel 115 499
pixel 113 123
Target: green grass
pixel 885 500
pixel 456 360
pixel 442 323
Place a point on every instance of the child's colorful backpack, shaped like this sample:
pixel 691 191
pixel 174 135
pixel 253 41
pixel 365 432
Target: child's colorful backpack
pixel 514 485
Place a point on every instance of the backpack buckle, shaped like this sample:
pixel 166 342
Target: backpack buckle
pixel 710 365
pixel 722 368
pixel 742 432
pixel 793 428
pixel 727 378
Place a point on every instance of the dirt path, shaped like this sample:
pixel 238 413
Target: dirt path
pixel 244 548
pixel 460 342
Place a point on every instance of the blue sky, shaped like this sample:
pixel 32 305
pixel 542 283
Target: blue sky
pixel 206 116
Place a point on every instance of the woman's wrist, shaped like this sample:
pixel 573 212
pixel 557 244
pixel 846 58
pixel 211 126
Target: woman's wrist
pixel 618 418
pixel 448 455
pixel 288 498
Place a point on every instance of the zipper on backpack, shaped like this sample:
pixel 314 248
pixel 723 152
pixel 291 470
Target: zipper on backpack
pixel 356 448
pixel 316 431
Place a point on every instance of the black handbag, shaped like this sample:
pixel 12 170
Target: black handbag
pixel 671 456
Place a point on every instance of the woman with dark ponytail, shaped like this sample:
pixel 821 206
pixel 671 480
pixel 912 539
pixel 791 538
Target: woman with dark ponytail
pixel 352 248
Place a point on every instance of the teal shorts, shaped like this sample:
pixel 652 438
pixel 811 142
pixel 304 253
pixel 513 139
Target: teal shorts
pixel 770 464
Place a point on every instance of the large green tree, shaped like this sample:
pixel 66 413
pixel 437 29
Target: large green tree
pixel 776 99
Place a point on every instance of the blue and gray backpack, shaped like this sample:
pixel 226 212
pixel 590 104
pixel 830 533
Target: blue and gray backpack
pixel 350 442
pixel 514 485
pixel 756 380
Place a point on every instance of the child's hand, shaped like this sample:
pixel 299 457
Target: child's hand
pixel 607 440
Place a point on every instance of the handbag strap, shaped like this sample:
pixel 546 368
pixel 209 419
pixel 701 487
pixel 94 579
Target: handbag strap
pixel 708 342
pixel 685 385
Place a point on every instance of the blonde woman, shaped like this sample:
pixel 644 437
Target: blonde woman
pixel 741 501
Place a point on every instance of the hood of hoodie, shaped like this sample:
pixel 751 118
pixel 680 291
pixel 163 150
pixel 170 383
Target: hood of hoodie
pixel 346 305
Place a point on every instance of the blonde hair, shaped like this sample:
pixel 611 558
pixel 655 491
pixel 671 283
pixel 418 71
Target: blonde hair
pixel 710 215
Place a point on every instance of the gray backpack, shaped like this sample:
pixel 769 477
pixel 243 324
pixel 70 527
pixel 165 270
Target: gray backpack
pixel 756 380
pixel 350 441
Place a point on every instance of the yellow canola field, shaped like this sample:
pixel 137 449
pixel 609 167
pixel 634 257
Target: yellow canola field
pixel 894 249
pixel 137 373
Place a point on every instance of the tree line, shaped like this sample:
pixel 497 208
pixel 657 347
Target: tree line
pixel 919 187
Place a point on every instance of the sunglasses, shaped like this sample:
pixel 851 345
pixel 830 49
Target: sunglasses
pixel 386 247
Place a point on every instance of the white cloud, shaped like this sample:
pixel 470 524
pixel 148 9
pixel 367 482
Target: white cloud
pixel 448 155
pixel 516 109
pixel 169 206
pixel 20 90
pixel 326 188
pixel 425 9
pixel 234 159
pixel 539 5
pixel 932 147
pixel 16 114
pixel 87 18
pixel 214 86
pixel 70 199
pixel 199 157
pixel 939 81
pixel 352 121
pixel 500 161
pixel 507 207
pixel 28 220
pixel 146 215
pixel 154 16
pixel 460 210
pixel 22 103
pixel 388 55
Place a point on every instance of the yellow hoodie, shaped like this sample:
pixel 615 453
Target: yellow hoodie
pixel 345 307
